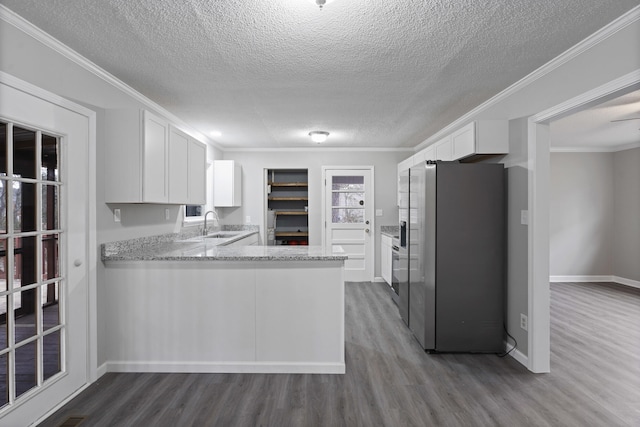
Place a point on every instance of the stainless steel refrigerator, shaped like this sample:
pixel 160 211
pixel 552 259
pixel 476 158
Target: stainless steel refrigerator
pixel 455 256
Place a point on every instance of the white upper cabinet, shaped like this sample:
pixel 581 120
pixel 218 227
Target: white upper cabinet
pixel 227 183
pixel 187 169
pixel 481 137
pixel 178 166
pixel 197 173
pixel 147 160
pixel 136 157
pixel 443 149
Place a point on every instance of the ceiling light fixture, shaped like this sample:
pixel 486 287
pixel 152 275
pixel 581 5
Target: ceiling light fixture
pixel 321 3
pixel 318 136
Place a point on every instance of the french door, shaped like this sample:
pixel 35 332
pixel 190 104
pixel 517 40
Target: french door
pixel 44 221
pixel 348 217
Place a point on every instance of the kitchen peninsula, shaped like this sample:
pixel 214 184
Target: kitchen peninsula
pixel 176 304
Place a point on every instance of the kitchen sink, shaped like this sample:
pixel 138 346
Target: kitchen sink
pixel 222 234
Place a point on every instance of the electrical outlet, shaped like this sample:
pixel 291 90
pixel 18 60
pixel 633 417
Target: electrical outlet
pixel 247 219
pixel 524 321
pixel 116 215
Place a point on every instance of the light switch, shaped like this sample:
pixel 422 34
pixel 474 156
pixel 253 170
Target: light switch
pixel 116 215
pixel 167 215
pixel 378 212
pixel 524 217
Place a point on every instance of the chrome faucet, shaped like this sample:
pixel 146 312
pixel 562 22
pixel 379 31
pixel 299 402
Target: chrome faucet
pixel 216 219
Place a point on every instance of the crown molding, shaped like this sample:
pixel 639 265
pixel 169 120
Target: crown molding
pixel 614 149
pixel 605 32
pixel 49 41
pixel 320 149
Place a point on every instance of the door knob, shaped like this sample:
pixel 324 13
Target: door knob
pixel 367 222
pixel 366 230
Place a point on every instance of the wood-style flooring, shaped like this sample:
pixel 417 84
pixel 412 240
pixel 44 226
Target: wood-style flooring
pixel 390 381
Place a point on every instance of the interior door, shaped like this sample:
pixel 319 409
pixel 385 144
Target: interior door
pixel 348 214
pixel 44 220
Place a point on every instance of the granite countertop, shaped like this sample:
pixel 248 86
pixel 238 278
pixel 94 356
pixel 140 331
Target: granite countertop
pixel 180 247
pixel 390 230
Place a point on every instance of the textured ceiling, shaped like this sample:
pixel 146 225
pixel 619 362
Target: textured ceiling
pixel 265 73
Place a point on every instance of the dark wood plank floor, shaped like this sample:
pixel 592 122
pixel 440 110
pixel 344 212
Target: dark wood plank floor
pixel 390 381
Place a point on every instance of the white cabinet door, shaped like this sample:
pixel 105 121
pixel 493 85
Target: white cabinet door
pixel 154 159
pixel 464 141
pixel 430 153
pixel 136 161
pixel 386 258
pixel 444 149
pixel 197 173
pixel 178 166
pixel 227 183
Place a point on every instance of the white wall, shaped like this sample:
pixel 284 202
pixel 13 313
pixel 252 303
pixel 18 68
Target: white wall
pixel 595 214
pixel 254 163
pixel 28 59
pixel 626 231
pixel 581 214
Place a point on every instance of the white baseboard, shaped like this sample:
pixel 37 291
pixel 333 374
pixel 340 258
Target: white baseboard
pixel 520 357
pixel 378 279
pixel 230 367
pixel 517 354
pixel 581 279
pixel 102 369
pixel 628 282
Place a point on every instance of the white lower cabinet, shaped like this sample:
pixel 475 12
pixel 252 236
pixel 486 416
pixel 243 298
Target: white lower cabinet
pixel 386 258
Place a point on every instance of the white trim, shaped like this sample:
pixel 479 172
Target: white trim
pixel 61 404
pixel 520 357
pixel 49 41
pixel 102 369
pixel 614 149
pixel 539 340
pixel 539 150
pixel 227 367
pixel 91 252
pixel 318 149
pixel 627 282
pixel 580 279
pixel 607 31
pixel 372 226
pixel 584 279
pixel 379 279
pixel 629 82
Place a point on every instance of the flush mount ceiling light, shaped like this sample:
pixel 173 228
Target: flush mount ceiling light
pixel 321 3
pixel 318 136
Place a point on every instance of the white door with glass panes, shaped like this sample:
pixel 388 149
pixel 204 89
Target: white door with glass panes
pixel 348 218
pixel 44 256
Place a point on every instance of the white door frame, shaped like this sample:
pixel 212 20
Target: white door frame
pixel 90 257
pixel 370 247
pixel 538 142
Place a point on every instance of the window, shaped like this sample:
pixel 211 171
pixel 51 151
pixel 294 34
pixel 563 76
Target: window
pixel 193 213
pixel 31 325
